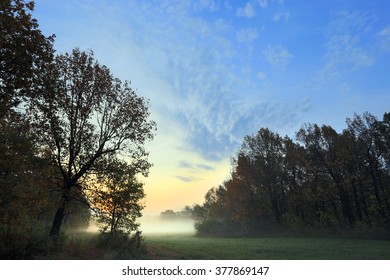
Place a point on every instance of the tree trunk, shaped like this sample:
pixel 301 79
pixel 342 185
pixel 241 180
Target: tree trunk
pixel 60 214
pixel 344 197
pixel 357 203
pixel 364 204
pixel 346 206
pixel 56 226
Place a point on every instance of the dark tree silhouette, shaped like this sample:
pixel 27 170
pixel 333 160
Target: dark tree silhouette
pixel 24 53
pixel 84 116
pixel 326 180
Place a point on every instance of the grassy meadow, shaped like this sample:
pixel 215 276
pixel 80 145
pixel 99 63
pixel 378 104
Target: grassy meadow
pixel 270 248
pixel 186 246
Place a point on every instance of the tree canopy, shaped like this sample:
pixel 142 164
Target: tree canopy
pixel 323 180
pixel 24 53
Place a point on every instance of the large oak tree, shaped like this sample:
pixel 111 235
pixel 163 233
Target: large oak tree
pixel 85 117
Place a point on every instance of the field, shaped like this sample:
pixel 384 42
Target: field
pixel 271 248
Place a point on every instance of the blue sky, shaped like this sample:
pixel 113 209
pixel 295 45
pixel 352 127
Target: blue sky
pixel 215 71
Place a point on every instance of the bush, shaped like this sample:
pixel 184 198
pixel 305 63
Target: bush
pixel 217 228
pixel 120 245
pixel 23 242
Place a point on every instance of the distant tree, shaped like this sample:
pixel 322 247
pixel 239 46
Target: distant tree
pixel 24 53
pixel 199 213
pixel 168 215
pixel 117 199
pixel 185 213
pixel 214 216
pixel 85 117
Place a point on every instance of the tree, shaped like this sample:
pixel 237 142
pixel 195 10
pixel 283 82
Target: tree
pixel 263 155
pixel 168 215
pixel 85 117
pixel 384 132
pixel 25 180
pixel 117 199
pixel 371 136
pixel 185 213
pixel 24 53
pixel 324 146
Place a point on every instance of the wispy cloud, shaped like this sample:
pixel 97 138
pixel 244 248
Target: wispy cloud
pixel 195 167
pixel 281 16
pixel 263 3
pixel 205 167
pixel 278 56
pixel 247 35
pixel 385 32
pixel 343 51
pixel 209 5
pixel 345 48
pixel 248 11
pixel 187 179
pixel 384 38
pixel 261 75
pixel 185 164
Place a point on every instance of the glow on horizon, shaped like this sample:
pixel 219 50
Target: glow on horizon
pixel 180 179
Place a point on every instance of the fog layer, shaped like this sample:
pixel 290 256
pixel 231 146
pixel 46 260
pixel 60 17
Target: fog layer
pixel 156 225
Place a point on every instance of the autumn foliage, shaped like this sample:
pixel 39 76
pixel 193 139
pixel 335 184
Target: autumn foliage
pixel 325 180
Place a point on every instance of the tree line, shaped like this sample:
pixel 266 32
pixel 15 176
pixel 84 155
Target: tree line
pixel 323 180
pixel 71 138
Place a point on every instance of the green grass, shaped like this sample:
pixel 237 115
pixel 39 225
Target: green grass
pixel 182 246
pixel 270 248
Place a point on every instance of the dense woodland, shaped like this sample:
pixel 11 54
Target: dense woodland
pixel 71 142
pixel 324 180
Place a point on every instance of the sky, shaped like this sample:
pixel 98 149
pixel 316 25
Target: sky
pixel 215 71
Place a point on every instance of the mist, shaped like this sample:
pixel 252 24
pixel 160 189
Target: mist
pixel 156 225
pixel 153 225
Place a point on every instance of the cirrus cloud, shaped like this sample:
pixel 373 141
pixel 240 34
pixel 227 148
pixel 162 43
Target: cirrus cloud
pixel 278 56
pixel 248 11
pixel 247 35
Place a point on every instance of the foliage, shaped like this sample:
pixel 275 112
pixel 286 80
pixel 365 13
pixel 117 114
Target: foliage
pixel 324 180
pixel 185 213
pixel 23 177
pixel 116 199
pixel 24 53
pixel 122 246
pixel 168 215
pixel 28 196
